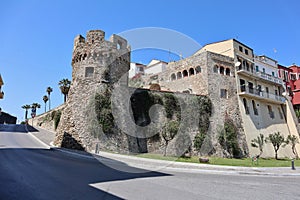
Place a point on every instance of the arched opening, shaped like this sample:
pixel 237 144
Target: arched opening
pixel 173 77
pixel 185 73
pixel 254 108
pixel 191 71
pixel 227 72
pixel 198 69
pixel 216 69
pixel 246 106
pixel 222 70
pixel 179 75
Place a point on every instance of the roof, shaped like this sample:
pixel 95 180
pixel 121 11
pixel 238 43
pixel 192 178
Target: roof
pixel 228 40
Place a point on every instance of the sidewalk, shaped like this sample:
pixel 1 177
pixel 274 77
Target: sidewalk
pixel 154 165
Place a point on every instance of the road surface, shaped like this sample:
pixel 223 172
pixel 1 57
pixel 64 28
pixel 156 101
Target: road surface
pixel 30 170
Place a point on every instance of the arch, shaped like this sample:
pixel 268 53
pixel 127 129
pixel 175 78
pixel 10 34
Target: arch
pixel 222 70
pixel 254 108
pixel 227 72
pixel 246 106
pixel 216 69
pixel 185 73
pixel 173 77
pixel 191 71
pixel 198 69
pixel 179 75
pixel 155 86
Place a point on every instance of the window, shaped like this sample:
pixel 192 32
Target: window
pixel 227 72
pixel 89 71
pixel 254 108
pixel 264 70
pixel 273 73
pixel 179 75
pixel 280 113
pixel 173 77
pixel 222 70
pixel 246 51
pixel 241 48
pixel 293 76
pixel 185 73
pixel 271 113
pixel 250 86
pixel 243 85
pixel 256 68
pixel 191 71
pixel 198 69
pixel 216 69
pixel 224 93
pixel 246 106
pixel 267 91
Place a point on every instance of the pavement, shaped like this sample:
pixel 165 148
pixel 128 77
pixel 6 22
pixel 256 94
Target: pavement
pixel 161 165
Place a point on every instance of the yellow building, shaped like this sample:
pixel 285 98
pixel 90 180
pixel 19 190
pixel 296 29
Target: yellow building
pixel 263 107
pixel 1 83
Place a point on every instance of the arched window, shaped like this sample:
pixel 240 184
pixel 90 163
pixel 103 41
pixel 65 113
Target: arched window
pixel 198 69
pixel 185 73
pixel 254 108
pixel 246 106
pixel 191 71
pixel 227 71
pixel 216 69
pixel 222 70
pixel 179 75
pixel 173 77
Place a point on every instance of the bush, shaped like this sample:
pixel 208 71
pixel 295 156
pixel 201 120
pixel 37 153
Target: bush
pixel 56 119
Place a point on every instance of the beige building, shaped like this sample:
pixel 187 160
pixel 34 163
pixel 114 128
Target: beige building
pixel 263 108
pixel 1 92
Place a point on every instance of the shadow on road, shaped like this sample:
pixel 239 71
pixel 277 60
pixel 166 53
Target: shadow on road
pixel 17 128
pixel 51 174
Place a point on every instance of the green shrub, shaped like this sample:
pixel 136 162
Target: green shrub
pixel 56 119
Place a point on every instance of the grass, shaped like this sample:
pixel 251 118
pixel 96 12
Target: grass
pixel 244 162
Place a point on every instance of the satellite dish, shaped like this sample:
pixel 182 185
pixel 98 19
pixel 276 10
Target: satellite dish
pixel 237 64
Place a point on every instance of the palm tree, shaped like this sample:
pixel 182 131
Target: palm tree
pixel 26 107
pixel 45 99
pixel 34 106
pixel 64 86
pixel 49 90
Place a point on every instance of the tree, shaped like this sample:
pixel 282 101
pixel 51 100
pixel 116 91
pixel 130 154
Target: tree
pixel 49 90
pixel 45 99
pixel 259 143
pixel 228 139
pixel 198 141
pixel 277 140
pixel 169 132
pixel 64 86
pixel 292 140
pixel 26 107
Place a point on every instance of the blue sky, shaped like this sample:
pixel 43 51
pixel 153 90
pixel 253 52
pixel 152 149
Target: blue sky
pixel 36 37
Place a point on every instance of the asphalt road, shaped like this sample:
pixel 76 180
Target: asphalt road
pixel 30 170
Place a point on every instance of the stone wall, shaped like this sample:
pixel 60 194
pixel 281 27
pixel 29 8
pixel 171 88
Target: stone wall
pixel 46 120
pixel 96 64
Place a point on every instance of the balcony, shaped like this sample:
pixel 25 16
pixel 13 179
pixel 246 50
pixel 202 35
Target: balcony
pixel 258 74
pixel 261 95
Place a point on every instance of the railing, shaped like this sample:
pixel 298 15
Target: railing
pixel 261 94
pixel 260 74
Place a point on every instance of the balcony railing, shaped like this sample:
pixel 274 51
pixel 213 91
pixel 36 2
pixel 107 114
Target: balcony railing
pixel 260 74
pixel 261 94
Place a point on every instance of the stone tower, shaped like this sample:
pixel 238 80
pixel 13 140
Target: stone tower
pixel 96 64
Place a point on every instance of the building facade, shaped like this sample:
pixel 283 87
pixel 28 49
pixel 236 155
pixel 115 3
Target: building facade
pixel 136 69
